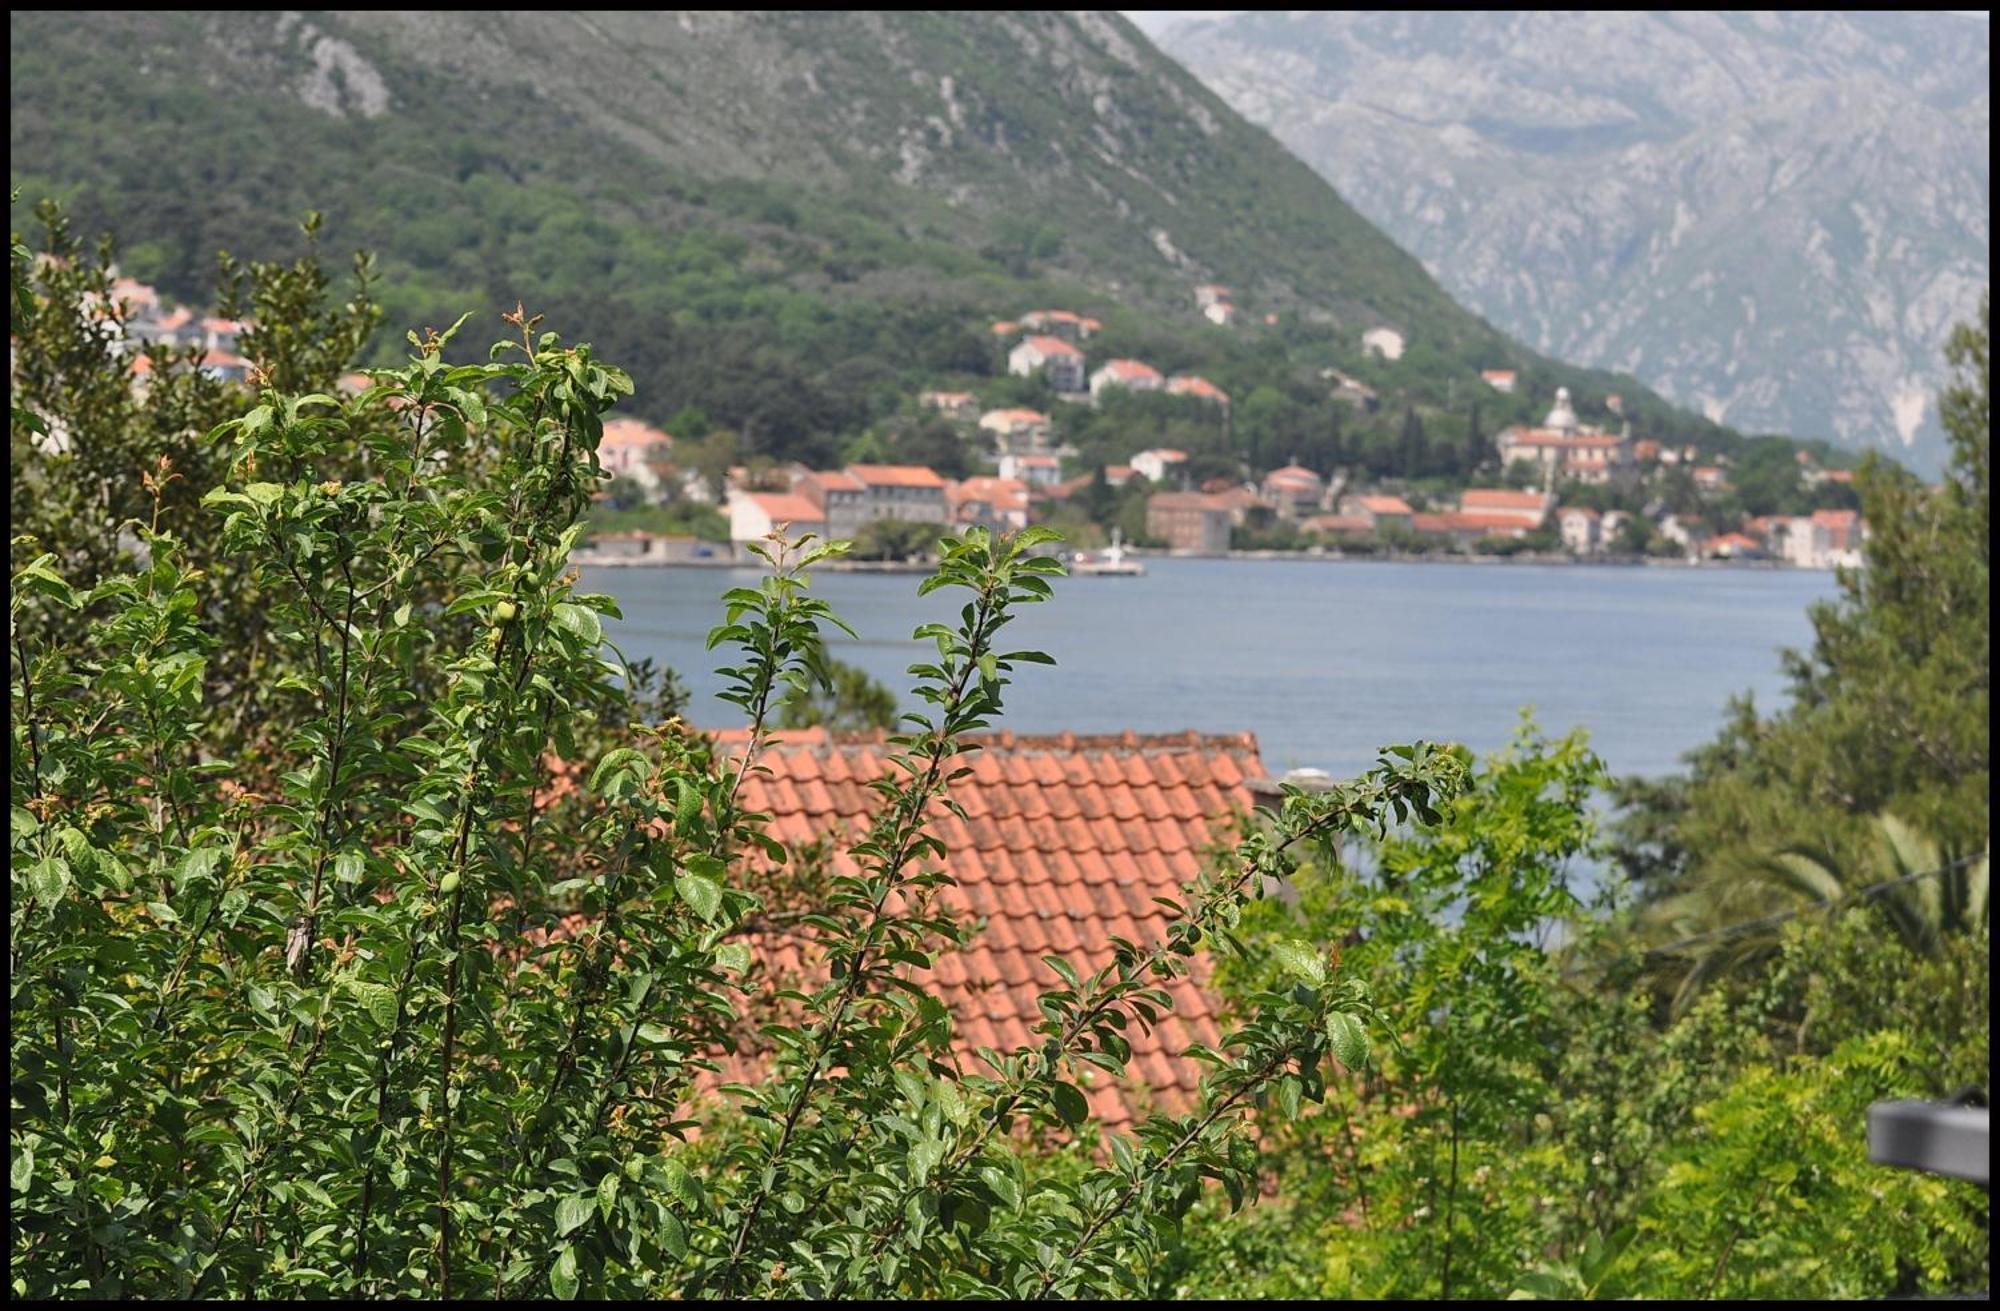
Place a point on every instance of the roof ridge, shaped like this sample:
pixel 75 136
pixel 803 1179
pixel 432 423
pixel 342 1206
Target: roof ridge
pixel 1007 739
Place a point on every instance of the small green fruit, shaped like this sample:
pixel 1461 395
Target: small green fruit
pixel 505 612
pixel 449 882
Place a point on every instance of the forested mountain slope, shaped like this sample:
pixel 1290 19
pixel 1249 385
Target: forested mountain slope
pixel 787 220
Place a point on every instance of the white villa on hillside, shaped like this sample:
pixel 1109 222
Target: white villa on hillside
pixel 1154 465
pixel 1061 362
pixel 1129 374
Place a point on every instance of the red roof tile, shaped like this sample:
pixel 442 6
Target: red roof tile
pixel 1052 346
pixel 1490 498
pixel 896 475
pixel 1046 879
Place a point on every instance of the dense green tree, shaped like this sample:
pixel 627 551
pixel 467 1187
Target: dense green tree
pixel 1889 707
pixel 1412 447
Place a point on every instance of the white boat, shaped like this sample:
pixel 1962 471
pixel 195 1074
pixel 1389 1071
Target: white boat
pixel 1110 562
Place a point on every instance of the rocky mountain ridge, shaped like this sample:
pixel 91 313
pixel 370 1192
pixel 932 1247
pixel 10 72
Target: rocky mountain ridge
pixel 1774 218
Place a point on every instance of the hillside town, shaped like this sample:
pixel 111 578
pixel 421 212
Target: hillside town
pixel 1564 488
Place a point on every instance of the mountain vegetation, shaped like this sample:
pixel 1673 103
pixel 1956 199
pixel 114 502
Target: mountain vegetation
pixel 784 224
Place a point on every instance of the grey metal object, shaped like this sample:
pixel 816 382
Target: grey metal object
pixel 1936 1137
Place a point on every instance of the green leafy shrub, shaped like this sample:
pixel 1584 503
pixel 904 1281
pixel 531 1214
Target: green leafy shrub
pixel 356 1000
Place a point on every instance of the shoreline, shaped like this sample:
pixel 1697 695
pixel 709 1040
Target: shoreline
pixel 1311 557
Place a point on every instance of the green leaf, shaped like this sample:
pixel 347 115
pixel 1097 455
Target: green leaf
pixel 733 956
pixel 562 1275
pixel 378 999
pixel 265 493
pixel 702 894
pixel 1070 1103
pixel 572 1212
pixel 1348 1039
pixel 582 622
pixel 1002 1184
pixel 607 1193
pixel 680 1183
pixel 672 1236
pixel 48 880
pixel 1300 959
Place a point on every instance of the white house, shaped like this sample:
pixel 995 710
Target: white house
pixel 1221 313
pixel 1582 529
pixel 1031 470
pixel 1129 374
pixel 1017 430
pixel 754 515
pixel 1385 342
pixel 630 449
pixel 1062 362
pixel 958 406
pixel 1500 380
pixel 1154 465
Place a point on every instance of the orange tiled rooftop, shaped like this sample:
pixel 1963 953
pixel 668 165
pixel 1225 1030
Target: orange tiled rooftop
pixel 1066 840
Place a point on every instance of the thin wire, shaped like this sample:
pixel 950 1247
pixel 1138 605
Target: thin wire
pixel 1780 917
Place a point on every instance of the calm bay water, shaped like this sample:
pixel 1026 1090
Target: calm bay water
pixel 1324 662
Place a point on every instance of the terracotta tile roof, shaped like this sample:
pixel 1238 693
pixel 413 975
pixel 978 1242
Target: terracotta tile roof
pixel 1336 523
pixel 223 325
pixel 1001 493
pixel 1011 418
pixel 1836 518
pixel 895 475
pixel 1191 385
pixel 832 480
pixel 1487 498
pixel 631 432
pixel 1383 504
pixel 1129 370
pixel 1576 512
pixel 1186 501
pixel 1065 841
pixel 784 507
pixel 1497 375
pixel 1560 441
pixel 1004 327
pixel 1051 346
pixel 1297 473
pixel 1471 521
pixel 1431 523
